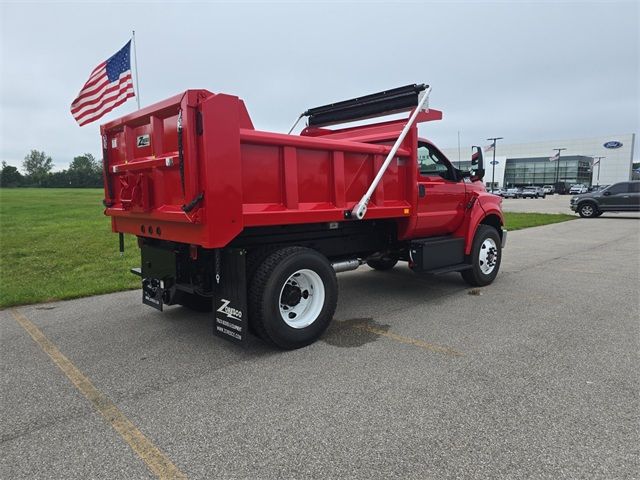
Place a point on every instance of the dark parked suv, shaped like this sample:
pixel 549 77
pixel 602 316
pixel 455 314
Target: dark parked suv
pixel 619 197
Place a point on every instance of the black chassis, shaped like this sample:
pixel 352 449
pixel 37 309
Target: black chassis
pixel 216 279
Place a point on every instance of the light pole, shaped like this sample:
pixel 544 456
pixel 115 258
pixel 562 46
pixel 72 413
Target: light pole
pixel 558 165
pixel 493 164
pixel 598 162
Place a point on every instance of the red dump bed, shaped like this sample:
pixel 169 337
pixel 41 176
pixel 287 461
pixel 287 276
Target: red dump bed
pixel 205 182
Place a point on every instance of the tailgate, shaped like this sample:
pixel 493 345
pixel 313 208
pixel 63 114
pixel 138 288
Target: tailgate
pixel 151 172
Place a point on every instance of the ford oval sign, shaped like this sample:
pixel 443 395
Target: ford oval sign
pixel 612 144
pixel 494 162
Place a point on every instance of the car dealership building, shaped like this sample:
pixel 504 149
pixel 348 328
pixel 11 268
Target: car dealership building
pixel 528 163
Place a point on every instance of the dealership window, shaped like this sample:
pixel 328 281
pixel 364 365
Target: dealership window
pixel 541 171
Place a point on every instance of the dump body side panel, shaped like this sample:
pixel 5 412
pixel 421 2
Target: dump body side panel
pixel 290 179
pixel 192 169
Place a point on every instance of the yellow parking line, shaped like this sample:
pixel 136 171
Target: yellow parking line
pixel 155 460
pixel 410 341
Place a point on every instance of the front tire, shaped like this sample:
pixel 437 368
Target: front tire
pixel 486 255
pixel 587 210
pixel 292 297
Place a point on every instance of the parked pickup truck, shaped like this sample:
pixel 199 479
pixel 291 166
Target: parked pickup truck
pixel 533 192
pixel 513 192
pixel 578 189
pixel 254 225
pixel 619 197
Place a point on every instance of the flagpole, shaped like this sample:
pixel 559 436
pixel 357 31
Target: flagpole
pixel 493 164
pixel 135 61
pixel 558 170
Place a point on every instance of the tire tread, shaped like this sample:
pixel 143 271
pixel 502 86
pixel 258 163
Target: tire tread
pixel 258 284
pixel 258 289
pixel 472 276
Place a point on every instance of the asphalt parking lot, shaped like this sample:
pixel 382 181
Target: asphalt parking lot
pixel 535 376
pixel 549 204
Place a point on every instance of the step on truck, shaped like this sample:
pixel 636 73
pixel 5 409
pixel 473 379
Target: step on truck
pixel 253 226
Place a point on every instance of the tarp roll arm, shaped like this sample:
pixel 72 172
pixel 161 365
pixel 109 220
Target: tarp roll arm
pixel 360 209
pixel 295 124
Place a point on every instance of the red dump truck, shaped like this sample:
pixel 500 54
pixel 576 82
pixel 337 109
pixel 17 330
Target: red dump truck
pixel 254 225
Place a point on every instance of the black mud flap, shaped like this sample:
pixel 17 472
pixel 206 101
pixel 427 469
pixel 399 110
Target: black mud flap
pixel 152 293
pixel 230 301
pixel 158 273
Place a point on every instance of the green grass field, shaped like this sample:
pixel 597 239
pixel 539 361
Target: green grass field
pixel 56 244
pixel 518 221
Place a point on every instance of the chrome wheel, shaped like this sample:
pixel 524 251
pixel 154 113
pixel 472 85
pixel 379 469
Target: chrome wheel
pixel 488 256
pixel 587 210
pixel 301 298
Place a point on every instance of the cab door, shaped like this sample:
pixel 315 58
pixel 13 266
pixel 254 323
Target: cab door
pixel 441 197
pixel 616 197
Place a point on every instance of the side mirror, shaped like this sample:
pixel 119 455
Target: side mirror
pixel 477 164
pixel 606 194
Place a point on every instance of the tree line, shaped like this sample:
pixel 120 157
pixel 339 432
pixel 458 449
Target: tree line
pixel 83 172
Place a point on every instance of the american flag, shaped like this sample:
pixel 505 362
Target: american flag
pixel 109 86
pixel 489 148
pixel 555 157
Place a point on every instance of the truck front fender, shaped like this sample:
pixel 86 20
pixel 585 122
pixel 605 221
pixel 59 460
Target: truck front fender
pixel 485 211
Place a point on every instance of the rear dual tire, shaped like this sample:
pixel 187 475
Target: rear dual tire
pixel 292 297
